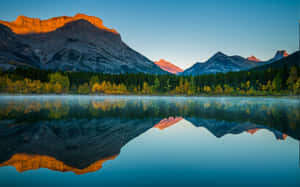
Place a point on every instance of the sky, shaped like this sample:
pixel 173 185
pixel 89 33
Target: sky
pixel 183 31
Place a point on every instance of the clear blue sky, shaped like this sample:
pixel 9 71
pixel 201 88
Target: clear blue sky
pixel 183 31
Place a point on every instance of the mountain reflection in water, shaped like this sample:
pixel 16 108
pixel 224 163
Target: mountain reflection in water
pixel 79 134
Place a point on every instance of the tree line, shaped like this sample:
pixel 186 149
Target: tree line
pixel 284 81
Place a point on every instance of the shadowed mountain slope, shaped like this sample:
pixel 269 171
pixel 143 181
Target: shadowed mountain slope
pixel 221 63
pixel 80 44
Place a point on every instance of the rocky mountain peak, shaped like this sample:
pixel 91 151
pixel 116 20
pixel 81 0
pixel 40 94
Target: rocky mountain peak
pixel 219 54
pixel 27 25
pixel 254 59
pixel 281 53
pixel 168 66
pixel 79 43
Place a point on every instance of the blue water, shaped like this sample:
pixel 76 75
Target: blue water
pixel 212 145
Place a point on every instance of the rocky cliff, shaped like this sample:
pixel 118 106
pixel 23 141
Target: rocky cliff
pixel 26 25
pixel 79 43
pixel 168 66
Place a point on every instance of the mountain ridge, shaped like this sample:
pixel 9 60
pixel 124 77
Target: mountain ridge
pixel 27 25
pixel 168 66
pixel 289 61
pixel 222 63
pixel 253 58
pixel 76 46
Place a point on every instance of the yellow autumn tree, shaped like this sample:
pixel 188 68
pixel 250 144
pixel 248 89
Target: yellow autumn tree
pixel 218 89
pixel 146 89
pixel 96 88
pixel 206 89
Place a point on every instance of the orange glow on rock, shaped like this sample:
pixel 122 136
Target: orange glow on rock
pixel 252 131
pixel 24 162
pixel 26 25
pixel 168 66
pixel 253 58
pixel 167 122
pixel 284 136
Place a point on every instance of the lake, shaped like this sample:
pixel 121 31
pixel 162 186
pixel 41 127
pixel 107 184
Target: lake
pixel 138 141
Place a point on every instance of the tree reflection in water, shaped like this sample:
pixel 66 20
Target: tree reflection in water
pixel 80 133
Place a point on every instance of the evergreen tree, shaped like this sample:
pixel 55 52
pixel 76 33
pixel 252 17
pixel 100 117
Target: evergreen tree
pixel 156 85
pixel 276 83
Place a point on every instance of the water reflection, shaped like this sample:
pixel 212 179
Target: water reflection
pixel 79 134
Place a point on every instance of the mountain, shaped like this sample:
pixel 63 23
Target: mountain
pixel 289 61
pixel 253 58
pixel 26 25
pixel 279 55
pixel 79 43
pixel 168 66
pixel 221 63
pixel 15 53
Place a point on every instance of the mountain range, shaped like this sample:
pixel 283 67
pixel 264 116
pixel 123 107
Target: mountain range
pixel 291 60
pixel 83 43
pixel 79 43
pixel 222 63
pixel 253 58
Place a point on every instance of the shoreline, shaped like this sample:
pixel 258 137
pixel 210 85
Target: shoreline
pixel 154 95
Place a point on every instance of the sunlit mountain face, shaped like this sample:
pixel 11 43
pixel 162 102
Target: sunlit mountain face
pixel 80 43
pixel 253 58
pixel 84 134
pixel 26 25
pixel 168 66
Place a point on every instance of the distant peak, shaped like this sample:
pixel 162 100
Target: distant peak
pixel 20 18
pixel 168 66
pixel 80 15
pixel 27 25
pixel 279 55
pixel 254 59
pixel 282 53
pixel 219 54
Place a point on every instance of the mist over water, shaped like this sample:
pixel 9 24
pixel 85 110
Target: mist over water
pixel 133 140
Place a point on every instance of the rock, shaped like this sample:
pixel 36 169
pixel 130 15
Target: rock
pixel 26 25
pixel 253 58
pixel 221 63
pixel 168 66
pixel 79 43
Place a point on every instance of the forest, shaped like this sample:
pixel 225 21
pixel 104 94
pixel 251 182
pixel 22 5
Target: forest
pixel 283 81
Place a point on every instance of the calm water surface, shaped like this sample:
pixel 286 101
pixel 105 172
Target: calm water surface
pixel 127 141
